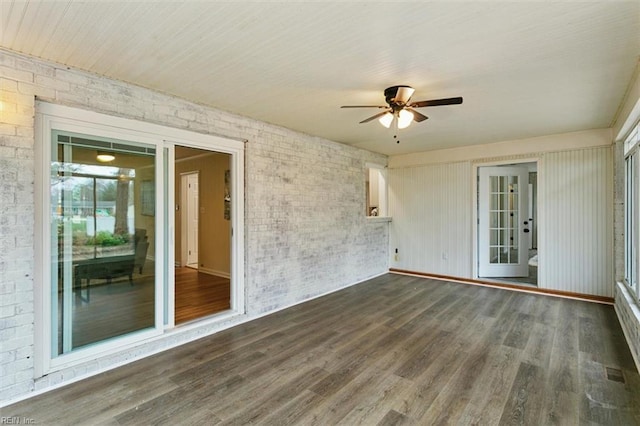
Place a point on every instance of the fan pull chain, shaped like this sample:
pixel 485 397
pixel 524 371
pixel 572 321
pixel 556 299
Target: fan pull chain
pixel 395 127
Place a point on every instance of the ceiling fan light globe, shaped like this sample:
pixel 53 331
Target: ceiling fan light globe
pixel 386 120
pixel 404 119
pixel 105 157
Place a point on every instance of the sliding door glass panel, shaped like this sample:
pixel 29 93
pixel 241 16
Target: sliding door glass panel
pixel 631 221
pixel 102 236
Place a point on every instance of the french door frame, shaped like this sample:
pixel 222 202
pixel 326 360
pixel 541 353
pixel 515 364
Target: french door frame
pixel 540 211
pixel 51 117
pixel 512 207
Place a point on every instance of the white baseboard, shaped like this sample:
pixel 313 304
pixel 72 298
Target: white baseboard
pixel 214 272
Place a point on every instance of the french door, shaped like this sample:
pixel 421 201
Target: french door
pixel 503 222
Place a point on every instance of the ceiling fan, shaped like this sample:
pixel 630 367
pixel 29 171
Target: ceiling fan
pixel 400 110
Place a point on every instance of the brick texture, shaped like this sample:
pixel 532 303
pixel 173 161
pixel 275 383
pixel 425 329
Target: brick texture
pixel 305 229
pixel 629 317
pixel 626 307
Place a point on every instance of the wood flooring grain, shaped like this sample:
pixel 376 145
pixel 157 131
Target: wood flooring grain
pixel 199 295
pixel 524 407
pixel 394 350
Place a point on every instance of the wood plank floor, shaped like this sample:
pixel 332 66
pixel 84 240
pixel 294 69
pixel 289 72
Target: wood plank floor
pixel 199 294
pixel 393 350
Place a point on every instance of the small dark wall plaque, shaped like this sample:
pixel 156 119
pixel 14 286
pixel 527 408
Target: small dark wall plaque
pixel 227 194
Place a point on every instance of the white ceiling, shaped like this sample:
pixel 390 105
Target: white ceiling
pixel 524 69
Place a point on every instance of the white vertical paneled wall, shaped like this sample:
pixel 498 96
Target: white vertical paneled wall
pixel 576 203
pixel 431 210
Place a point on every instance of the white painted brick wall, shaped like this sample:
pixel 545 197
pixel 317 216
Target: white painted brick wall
pixel 305 229
pixel 626 307
pixel 618 210
pixel 629 316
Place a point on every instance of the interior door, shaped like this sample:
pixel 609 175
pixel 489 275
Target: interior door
pixel 192 219
pixel 503 224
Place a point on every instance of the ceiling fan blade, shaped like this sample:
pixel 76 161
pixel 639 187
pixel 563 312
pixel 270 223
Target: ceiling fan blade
pixel 364 106
pixel 373 117
pixel 437 102
pixel 417 116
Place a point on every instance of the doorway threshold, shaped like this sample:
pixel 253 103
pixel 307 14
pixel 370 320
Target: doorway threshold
pixel 509 281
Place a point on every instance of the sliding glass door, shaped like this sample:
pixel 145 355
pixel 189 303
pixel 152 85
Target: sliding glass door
pixel 102 227
pixel 105 215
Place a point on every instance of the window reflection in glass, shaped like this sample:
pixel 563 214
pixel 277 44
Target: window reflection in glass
pixel 101 242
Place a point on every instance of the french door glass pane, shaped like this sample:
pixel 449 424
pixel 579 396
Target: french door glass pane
pixel 102 227
pixel 503 219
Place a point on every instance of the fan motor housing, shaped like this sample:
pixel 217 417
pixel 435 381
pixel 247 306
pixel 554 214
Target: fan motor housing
pixel 390 94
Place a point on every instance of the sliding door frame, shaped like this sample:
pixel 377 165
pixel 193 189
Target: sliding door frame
pixel 51 117
pixel 236 151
